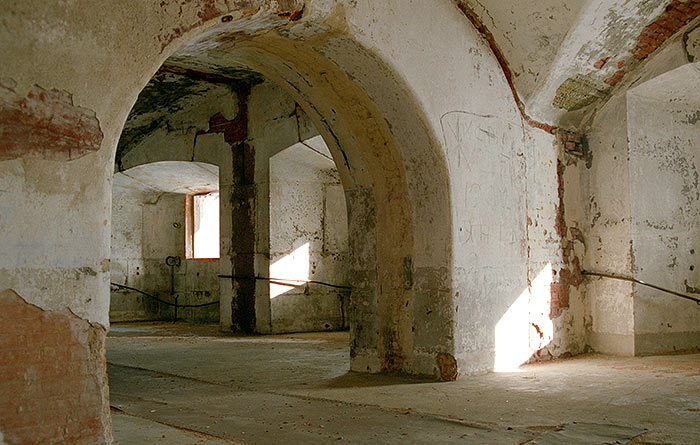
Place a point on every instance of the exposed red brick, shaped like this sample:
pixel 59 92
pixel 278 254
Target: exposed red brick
pixel 53 382
pixel 615 78
pixel 601 63
pixel 560 223
pixel 677 14
pixel 236 129
pixel 569 275
pixel 559 293
pixel 448 367
pixel 45 124
pixel 208 10
pixel 573 276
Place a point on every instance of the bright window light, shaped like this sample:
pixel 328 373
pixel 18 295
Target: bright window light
pixel 204 219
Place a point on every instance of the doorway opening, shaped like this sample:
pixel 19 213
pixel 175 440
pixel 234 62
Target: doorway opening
pixel 234 162
pixel 367 246
pixel 308 240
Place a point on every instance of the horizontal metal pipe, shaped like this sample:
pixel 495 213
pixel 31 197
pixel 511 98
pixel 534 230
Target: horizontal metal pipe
pixel 285 281
pixel 643 283
pixel 121 286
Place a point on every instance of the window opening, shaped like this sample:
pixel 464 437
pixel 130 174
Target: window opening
pixel 202 224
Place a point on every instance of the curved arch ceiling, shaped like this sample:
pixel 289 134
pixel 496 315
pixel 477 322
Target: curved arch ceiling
pixel 170 177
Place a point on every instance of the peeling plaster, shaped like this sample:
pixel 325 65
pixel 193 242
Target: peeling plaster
pixel 577 92
pixel 53 362
pixel 45 124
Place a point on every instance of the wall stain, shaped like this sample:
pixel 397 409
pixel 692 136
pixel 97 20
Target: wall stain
pixel 45 124
pixel 447 365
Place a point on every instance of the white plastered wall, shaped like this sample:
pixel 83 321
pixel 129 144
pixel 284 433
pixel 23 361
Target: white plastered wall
pixel 664 165
pixel 642 211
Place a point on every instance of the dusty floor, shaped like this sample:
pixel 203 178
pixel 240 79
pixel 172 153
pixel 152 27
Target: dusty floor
pixel 187 384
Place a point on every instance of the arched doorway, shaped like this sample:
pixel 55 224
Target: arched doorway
pixel 395 181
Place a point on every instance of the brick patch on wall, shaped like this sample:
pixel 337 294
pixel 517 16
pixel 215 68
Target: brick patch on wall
pixel 53 382
pixel 677 14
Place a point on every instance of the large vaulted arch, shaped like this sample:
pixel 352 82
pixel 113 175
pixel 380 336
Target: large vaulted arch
pixel 394 176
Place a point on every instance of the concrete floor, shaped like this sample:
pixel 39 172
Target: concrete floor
pixel 190 384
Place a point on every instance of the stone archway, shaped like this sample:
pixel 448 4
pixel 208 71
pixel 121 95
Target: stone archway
pixel 392 171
